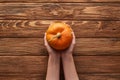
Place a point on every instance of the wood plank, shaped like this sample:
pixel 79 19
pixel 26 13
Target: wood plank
pixel 22 76
pixel 22 46
pixel 38 64
pixel 76 11
pixel 37 28
pixel 31 1
pixel 97 46
pixel 35 46
pixel 23 64
pixel 104 76
pixel 97 64
pixel 108 76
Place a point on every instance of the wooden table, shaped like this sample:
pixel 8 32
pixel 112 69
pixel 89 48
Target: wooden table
pixel 96 24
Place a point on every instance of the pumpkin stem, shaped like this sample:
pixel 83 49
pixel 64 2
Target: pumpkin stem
pixel 58 35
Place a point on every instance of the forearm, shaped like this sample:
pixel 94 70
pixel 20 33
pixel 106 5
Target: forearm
pixel 53 68
pixel 69 68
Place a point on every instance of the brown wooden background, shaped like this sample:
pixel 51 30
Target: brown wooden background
pixel 96 24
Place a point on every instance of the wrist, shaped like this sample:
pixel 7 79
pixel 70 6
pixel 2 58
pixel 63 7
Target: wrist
pixel 54 55
pixel 66 55
pixel 54 60
pixel 67 59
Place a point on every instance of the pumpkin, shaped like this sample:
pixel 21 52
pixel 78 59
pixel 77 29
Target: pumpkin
pixel 59 35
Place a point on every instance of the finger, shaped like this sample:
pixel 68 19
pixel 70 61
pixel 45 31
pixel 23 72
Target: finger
pixel 71 47
pixel 45 41
pixel 73 41
pixel 73 34
pixel 44 36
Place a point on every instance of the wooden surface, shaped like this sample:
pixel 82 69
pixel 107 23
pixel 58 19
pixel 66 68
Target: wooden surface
pixel 50 1
pixel 96 24
pixel 79 11
pixel 82 29
pixel 35 46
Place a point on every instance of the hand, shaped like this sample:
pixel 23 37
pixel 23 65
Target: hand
pixel 53 69
pixel 68 62
pixel 50 50
pixel 71 47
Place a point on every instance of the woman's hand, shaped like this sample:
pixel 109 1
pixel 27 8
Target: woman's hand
pixel 53 69
pixel 71 47
pixel 50 50
pixel 68 62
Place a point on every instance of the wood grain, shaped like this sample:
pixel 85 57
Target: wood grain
pixel 97 64
pixel 18 76
pixel 97 76
pixel 37 28
pixel 96 24
pixel 73 11
pixel 38 64
pixel 33 1
pixel 22 46
pixel 23 64
pixel 35 46
pixel 108 76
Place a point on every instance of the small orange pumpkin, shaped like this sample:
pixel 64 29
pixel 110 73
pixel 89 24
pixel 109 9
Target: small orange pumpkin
pixel 59 35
